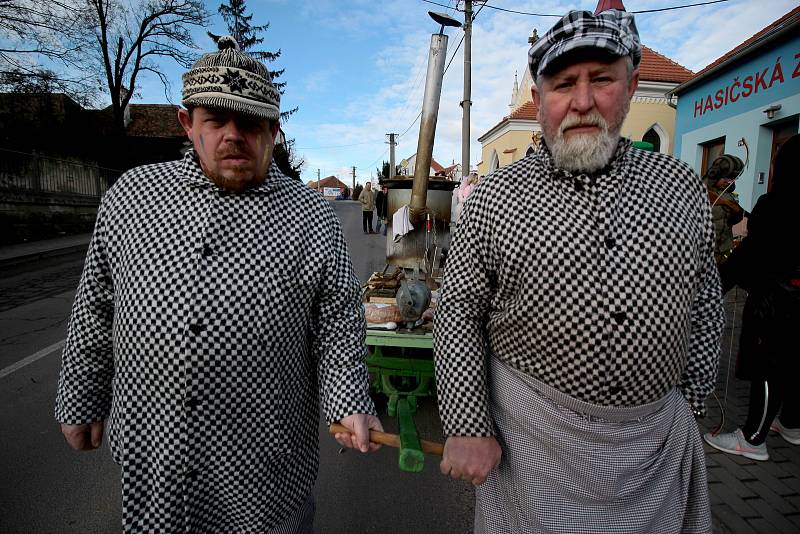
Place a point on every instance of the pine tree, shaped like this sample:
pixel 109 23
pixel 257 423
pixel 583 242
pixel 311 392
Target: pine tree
pixel 246 34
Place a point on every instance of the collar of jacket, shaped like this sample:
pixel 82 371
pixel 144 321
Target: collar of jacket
pixel 193 175
pixel 615 166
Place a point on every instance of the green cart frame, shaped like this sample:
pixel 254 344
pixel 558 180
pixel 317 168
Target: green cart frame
pixel 401 367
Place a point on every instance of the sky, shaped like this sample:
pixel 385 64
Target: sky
pixel 355 69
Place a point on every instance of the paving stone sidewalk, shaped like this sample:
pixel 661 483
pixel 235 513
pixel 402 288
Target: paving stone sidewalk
pixel 748 497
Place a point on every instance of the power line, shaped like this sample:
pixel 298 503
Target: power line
pixel 376 160
pixel 448 63
pixel 417 79
pixel 454 8
pixel 338 146
pixel 445 71
pixel 562 14
pixel 410 125
pixel 680 7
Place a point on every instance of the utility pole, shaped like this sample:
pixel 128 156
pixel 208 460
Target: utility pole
pixel 466 103
pixel 354 178
pixel 392 143
pixel 317 180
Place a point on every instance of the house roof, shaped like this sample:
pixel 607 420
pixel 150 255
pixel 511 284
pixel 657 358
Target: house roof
pixel 329 181
pixel 751 44
pixel 447 170
pixel 435 165
pixel 656 67
pixel 154 120
pixel 527 111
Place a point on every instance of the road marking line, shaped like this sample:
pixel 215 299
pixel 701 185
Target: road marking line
pixel 32 358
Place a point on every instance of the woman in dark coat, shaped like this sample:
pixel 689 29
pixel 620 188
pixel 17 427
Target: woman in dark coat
pixel 767 266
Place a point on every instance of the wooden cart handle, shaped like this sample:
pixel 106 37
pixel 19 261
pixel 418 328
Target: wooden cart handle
pixel 392 440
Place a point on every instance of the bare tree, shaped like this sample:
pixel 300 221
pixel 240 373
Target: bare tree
pixel 35 32
pixel 100 46
pixel 128 38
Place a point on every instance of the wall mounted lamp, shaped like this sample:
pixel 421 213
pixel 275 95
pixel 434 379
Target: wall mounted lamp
pixel 770 111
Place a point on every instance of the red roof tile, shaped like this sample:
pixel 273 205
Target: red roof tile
pixel 749 41
pixel 526 111
pixel 659 68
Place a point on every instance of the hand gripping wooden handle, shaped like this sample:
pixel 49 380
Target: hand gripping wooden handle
pixel 392 440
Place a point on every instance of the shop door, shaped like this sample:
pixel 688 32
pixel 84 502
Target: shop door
pixel 780 134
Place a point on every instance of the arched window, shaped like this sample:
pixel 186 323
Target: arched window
pixel 494 162
pixel 659 137
pixel 652 137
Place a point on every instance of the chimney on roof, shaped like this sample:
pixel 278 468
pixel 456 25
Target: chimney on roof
pixel 605 5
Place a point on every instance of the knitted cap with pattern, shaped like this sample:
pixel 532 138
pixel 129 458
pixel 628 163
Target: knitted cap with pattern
pixel 231 80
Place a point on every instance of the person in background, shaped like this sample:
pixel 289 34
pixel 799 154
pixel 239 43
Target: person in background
pixel 578 331
pixel 725 208
pixel 381 208
pixel 367 199
pixel 203 343
pixel 767 265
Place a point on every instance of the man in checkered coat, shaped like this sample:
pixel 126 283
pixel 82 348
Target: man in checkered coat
pixel 217 308
pixel 578 329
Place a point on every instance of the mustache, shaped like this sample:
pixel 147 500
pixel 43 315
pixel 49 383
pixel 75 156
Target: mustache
pixel 233 152
pixel 573 120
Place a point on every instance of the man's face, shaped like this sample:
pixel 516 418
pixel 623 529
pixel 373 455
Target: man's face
pixel 234 150
pixel 369 186
pixel 581 109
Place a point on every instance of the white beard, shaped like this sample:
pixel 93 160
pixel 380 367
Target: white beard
pixel 584 152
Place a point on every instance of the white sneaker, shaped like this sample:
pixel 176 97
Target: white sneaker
pixel 734 443
pixel 792 435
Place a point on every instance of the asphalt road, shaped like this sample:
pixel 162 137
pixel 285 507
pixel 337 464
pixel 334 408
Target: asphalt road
pixel 45 487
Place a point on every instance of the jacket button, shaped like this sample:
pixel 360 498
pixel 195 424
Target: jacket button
pixel 578 185
pixel 619 317
pixel 206 251
pixel 610 242
pixel 191 474
pixel 192 402
pixel 616 390
pixel 196 328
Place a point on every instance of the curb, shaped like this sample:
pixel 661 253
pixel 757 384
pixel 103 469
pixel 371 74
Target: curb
pixel 16 261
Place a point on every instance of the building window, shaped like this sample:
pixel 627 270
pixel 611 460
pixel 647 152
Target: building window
pixel 711 151
pixel 494 163
pixel 652 137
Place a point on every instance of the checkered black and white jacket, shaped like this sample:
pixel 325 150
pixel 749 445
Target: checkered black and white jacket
pixel 602 287
pixel 208 327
